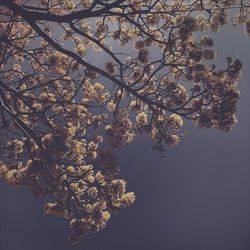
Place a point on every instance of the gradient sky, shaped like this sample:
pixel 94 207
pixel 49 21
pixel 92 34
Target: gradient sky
pixel 196 198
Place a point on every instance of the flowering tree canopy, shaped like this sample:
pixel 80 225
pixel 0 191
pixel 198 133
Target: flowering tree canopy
pixel 63 114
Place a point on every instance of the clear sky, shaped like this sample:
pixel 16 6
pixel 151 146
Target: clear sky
pixel 196 198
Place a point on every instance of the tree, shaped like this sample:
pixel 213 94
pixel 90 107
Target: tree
pixel 63 117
